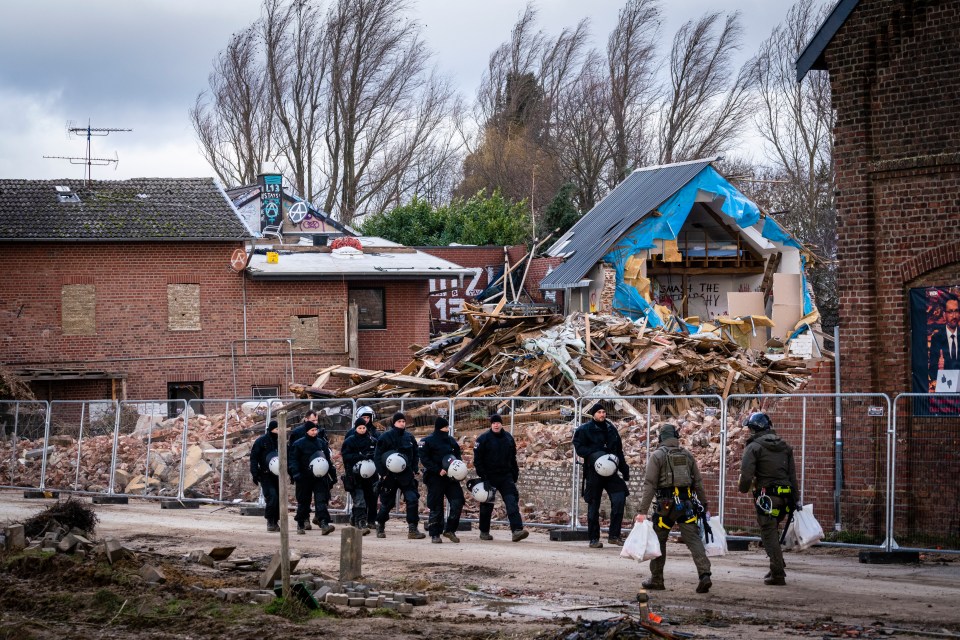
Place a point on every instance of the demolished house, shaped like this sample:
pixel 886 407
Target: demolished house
pixel 678 246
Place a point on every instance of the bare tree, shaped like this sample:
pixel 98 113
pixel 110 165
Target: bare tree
pixel 293 35
pixel 233 119
pixel 631 65
pixel 706 104
pixel 796 120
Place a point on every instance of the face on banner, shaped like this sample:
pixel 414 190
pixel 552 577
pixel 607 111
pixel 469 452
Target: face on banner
pixel 935 343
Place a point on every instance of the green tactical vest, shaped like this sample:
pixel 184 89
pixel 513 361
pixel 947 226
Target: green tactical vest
pixel 677 471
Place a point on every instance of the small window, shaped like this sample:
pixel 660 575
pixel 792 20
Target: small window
pixel 183 307
pixel 78 309
pixel 265 391
pixel 372 307
pixel 192 392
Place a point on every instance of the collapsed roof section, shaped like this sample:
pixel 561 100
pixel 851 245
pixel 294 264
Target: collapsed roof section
pixel 683 242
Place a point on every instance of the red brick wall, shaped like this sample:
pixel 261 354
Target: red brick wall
pixel 131 320
pixel 895 74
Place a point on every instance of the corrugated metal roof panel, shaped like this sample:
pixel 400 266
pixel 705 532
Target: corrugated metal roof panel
pixel 593 235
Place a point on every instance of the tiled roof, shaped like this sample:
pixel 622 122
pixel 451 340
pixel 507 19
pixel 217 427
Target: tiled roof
pixel 138 209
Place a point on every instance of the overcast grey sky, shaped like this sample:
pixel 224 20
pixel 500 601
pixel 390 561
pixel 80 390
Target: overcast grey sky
pixel 140 64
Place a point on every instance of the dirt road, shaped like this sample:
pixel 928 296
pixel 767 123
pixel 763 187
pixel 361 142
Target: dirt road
pixel 539 583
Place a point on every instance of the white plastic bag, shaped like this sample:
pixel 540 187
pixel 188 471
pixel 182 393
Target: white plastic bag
pixel 642 543
pixel 805 528
pixel 718 545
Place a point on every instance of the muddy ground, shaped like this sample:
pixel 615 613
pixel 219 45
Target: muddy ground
pixel 532 589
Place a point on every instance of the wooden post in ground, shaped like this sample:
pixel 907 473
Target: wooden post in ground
pixel 351 553
pixel 284 508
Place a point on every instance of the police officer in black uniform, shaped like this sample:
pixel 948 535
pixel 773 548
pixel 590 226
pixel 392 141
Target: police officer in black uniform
pixel 768 469
pixel 434 449
pixel 397 440
pixel 673 478
pixel 355 449
pixel 495 459
pixel 368 416
pixel 264 448
pixel 593 439
pixel 309 486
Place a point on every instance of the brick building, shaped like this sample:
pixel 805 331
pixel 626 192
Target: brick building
pixel 131 289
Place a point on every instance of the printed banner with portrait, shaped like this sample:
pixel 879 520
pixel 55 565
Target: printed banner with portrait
pixel 935 342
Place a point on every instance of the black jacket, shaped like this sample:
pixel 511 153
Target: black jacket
pixel 495 454
pixel 768 459
pixel 303 451
pixel 402 442
pixel 371 430
pixel 600 437
pixel 434 448
pixel 260 454
pixel 357 448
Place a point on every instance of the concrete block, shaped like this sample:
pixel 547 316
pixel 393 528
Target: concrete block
pixel 40 495
pixel 206 560
pixel 351 553
pixel 15 537
pixel 263 597
pixel 465 526
pixel 113 550
pixel 355 602
pixel 321 593
pixel 109 499
pixel 173 503
pixel 152 574
pixel 893 557
pixel 371 603
pixel 197 468
pixel 253 511
pixel 417 599
pixel 340 518
pixel 566 535
pixel 67 543
pixel 140 484
pixel 272 573
pixel 390 604
pixel 220 553
pixel 405 607
pixel 337 598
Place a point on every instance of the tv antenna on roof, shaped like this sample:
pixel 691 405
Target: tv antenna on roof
pixel 89 160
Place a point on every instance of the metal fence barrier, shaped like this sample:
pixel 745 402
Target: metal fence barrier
pixel 23 426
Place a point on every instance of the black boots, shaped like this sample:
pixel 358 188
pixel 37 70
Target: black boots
pixel 775 581
pixel 485 535
pixel 653 584
pixel 326 528
pixel 451 536
pixel 595 544
pixel 520 534
pixel 273 527
pixel 381 529
pixel 364 529
pixel 705 583
pixel 616 541
pixel 414 532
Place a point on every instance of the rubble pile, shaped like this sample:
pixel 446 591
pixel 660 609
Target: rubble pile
pixel 532 352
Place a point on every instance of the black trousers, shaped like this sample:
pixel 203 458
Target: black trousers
pixel 388 497
pixel 593 490
pixel 270 485
pixel 316 489
pixel 364 501
pixel 438 488
pixel 507 489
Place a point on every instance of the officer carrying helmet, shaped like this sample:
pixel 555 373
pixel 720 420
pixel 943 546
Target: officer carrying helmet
pixel 768 470
pixel 673 478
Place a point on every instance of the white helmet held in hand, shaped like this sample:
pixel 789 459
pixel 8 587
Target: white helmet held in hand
pixel 457 470
pixel 366 468
pixel 274 464
pixel 480 492
pixel 395 462
pixel 605 465
pixel 319 466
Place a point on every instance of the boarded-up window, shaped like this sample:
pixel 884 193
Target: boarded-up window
pixel 372 308
pixel 78 309
pixel 305 331
pixel 183 307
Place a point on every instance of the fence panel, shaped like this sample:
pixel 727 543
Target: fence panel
pixel 79 446
pixel 148 448
pixel 638 420
pixel 925 466
pixel 22 427
pixel 543 430
pixel 850 494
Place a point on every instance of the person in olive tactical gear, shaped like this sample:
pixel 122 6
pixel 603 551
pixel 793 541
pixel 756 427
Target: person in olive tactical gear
pixel 396 440
pixel 308 485
pixel 495 459
pixel 435 449
pixel 355 449
pixel 673 478
pixel 768 470
pixel 592 440
pixel 264 448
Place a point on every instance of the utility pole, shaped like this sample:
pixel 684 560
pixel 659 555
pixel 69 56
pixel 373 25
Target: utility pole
pixel 88 159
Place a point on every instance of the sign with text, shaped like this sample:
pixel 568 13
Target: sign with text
pixel 271 200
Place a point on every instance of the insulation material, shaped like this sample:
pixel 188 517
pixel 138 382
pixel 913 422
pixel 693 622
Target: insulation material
pixel 785 318
pixel 743 304
pixel 670 251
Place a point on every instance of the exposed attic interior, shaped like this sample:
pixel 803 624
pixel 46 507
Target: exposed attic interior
pixel 705 245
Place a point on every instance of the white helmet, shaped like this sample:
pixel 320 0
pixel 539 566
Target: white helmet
pixel 362 411
pixel 274 464
pixel 395 462
pixel 366 468
pixel 481 493
pixel 457 470
pixel 606 465
pixel 320 466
